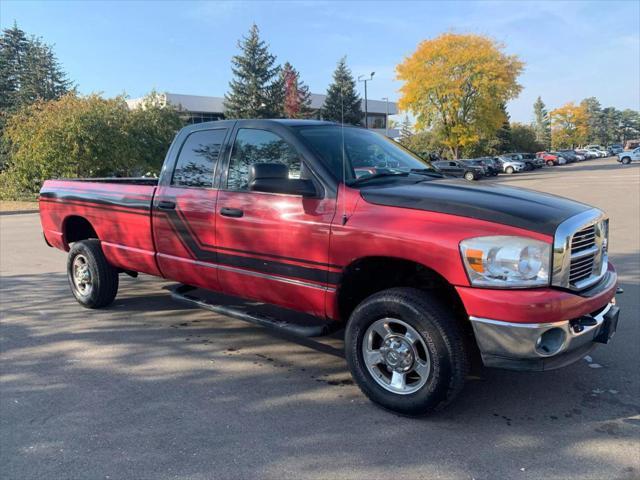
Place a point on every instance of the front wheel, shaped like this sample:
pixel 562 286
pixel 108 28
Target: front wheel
pixel 406 351
pixel 469 176
pixel 626 160
pixel 509 170
pixel 549 163
pixel 93 281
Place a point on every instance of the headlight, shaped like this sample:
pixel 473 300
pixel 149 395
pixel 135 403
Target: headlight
pixel 506 262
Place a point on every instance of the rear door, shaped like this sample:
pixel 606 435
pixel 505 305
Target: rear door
pixel 184 212
pixel 273 247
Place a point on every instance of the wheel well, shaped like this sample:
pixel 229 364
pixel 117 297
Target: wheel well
pixel 77 228
pixel 370 275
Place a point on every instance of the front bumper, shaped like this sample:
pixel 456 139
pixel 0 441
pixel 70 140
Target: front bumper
pixel 543 346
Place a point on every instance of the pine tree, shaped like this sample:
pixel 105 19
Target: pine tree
pixel 297 98
pixel 405 128
pixel 29 70
pixel 542 124
pixel 256 90
pixel 342 94
pixel 503 135
pixel 595 120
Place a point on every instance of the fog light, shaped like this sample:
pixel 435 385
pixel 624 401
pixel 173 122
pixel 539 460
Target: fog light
pixel 550 342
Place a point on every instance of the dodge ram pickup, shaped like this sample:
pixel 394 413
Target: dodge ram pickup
pixel 341 229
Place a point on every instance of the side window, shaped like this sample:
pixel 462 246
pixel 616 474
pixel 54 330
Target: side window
pixel 259 146
pixel 198 158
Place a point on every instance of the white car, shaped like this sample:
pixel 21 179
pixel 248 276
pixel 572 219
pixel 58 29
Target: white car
pixel 600 151
pixel 628 156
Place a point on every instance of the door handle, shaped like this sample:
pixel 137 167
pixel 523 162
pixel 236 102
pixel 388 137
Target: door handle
pixel 231 212
pixel 166 204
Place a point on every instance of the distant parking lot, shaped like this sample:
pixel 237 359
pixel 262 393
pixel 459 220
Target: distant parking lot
pixel 149 389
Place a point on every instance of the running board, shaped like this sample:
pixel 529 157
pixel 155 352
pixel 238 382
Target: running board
pixel 313 327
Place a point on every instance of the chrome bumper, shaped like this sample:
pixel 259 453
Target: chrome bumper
pixel 542 346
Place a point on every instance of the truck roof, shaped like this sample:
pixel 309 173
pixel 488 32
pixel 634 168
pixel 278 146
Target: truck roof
pixel 289 122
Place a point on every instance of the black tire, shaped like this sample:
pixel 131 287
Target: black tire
pixel 550 163
pixel 626 160
pixel 470 176
pixel 439 331
pixel 103 278
pixel 509 170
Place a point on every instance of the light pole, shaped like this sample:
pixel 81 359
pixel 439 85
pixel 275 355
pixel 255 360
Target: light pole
pixel 386 119
pixel 366 106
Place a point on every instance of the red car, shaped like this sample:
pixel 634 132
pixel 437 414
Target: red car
pixel 337 227
pixel 551 159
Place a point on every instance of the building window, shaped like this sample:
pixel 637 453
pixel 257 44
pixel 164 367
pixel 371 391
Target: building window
pixel 376 120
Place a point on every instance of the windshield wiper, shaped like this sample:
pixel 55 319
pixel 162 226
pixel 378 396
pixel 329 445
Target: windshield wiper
pixel 360 180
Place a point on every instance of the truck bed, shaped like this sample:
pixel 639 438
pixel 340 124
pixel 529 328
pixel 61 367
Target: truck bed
pixel 117 209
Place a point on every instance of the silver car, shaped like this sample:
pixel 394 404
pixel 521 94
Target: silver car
pixel 509 165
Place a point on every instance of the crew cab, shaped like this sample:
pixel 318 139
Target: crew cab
pixel 336 227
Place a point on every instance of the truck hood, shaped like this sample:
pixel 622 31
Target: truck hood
pixel 517 207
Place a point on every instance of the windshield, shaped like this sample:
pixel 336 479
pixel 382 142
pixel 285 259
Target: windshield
pixel 367 154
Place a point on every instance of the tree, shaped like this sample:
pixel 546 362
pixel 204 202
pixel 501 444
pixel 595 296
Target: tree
pixel 29 71
pixel 152 125
pixel 503 135
pixel 524 138
pixel 90 136
pixel 569 126
pixel 595 120
pixel 629 125
pixel 405 128
pixel 256 89
pixel 343 102
pixel 542 124
pixel 297 98
pixel 425 144
pixel 456 86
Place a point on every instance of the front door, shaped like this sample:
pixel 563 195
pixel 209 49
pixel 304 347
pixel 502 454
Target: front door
pixel 273 247
pixel 184 212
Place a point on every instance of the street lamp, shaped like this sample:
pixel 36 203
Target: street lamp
pixel 366 106
pixel 386 119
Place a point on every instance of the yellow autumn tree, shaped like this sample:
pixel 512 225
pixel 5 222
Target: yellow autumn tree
pixel 569 125
pixel 456 86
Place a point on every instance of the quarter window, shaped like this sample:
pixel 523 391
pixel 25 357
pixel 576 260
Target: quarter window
pixel 259 146
pixel 197 160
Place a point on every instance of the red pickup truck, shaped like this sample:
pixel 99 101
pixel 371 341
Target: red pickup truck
pixel 338 227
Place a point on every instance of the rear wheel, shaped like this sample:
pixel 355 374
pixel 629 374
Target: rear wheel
pixel 93 281
pixel 469 176
pixel 626 160
pixel 509 170
pixel 406 351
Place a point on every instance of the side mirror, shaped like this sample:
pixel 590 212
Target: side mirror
pixel 274 178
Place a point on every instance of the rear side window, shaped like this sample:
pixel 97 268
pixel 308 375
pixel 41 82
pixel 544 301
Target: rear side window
pixel 198 158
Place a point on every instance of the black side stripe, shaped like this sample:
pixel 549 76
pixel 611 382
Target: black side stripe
pixel 181 228
pixel 100 199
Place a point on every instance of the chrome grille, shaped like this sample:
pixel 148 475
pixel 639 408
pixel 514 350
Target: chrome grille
pixel 580 251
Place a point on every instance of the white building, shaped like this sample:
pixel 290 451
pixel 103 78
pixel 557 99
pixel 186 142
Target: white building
pixel 204 109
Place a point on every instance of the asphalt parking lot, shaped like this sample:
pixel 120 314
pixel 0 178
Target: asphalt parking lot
pixel 150 389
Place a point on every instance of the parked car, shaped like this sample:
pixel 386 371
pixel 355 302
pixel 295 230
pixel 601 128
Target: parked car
pixel 530 160
pixel 614 149
pixel 598 150
pixel 628 156
pixel 458 168
pixel 509 165
pixel 551 159
pixel 587 154
pixel 420 271
pixel 570 155
pixel 529 164
pixel 474 162
pixel 492 166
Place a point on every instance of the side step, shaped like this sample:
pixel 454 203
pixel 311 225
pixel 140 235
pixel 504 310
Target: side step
pixel 256 313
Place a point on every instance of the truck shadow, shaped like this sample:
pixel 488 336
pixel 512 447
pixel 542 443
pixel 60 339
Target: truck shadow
pixel 150 374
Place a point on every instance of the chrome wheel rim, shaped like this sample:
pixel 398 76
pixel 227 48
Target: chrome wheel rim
pixel 396 356
pixel 81 275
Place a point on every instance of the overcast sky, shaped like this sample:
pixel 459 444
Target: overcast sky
pixel 571 50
